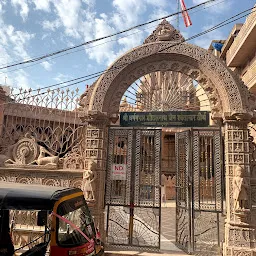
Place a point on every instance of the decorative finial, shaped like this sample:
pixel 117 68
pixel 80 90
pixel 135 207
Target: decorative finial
pixel 164 32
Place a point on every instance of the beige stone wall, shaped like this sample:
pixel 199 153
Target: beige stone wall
pixel 248 74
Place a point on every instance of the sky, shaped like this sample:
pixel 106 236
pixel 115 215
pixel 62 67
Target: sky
pixel 30 28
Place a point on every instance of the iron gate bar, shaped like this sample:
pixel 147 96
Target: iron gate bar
pixel 136 213
pixel 217 168
pixel 132 194
pixel 183 209
pixel 199 187
pixel 190 193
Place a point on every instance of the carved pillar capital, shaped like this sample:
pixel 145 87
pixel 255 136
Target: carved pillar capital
pixel 94 117
pixel 237 117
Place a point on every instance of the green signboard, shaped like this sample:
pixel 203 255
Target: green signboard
pixel 165 119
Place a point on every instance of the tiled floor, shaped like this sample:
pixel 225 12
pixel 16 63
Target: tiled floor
pixel 167 235
pixel 168 221
pixel 168 213
pixel 168 226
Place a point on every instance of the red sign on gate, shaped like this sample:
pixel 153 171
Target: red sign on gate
pixel 118 172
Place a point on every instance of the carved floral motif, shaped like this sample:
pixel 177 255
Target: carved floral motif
pixel 24 152
pixel 74 159
pixel 227 93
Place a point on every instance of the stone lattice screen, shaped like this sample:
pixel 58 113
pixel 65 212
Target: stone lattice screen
pixel 39 124
pixel 40 143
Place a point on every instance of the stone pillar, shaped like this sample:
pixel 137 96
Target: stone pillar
pixel 239 228
pixel 3 99
pixel 96 151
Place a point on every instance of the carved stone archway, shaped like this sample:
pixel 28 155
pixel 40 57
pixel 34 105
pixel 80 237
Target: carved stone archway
pixel 230 102
pixel 227 94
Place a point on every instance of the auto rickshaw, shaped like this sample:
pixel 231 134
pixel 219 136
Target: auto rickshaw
pixel 68 225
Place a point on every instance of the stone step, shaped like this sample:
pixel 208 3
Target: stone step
pixel 137 253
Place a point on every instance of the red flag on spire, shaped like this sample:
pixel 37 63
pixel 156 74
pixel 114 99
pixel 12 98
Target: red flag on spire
pixel 185 14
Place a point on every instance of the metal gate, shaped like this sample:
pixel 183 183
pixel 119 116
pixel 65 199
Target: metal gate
pixel 199 188
pixel 133 196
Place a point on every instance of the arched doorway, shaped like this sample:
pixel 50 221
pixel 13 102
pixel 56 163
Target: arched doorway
pixel 230 103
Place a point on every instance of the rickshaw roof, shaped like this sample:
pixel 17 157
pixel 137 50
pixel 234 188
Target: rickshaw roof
pixel 31 197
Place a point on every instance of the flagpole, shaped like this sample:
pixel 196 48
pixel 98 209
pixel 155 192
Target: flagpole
pixel 185 14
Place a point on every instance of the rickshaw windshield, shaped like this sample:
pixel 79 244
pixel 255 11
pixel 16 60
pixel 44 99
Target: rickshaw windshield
pixel 76 211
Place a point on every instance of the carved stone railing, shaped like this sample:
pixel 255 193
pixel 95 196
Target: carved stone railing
pixel 41 142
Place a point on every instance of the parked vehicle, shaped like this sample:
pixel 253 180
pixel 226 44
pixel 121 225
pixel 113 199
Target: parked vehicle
pixel 69 227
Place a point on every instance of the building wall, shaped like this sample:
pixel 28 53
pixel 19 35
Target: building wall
pixel 239 50
pixel 248 73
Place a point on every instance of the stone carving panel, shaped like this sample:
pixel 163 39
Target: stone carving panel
pixel 89 181
pixel 124 82
pixel 230 92
pixel 74 159
pixel 36 133
pixel 237 158
pixel 77 183
pixel 242 253
pixel 239 238
pixel 164 32
pixel 65 178
pixel 26 152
